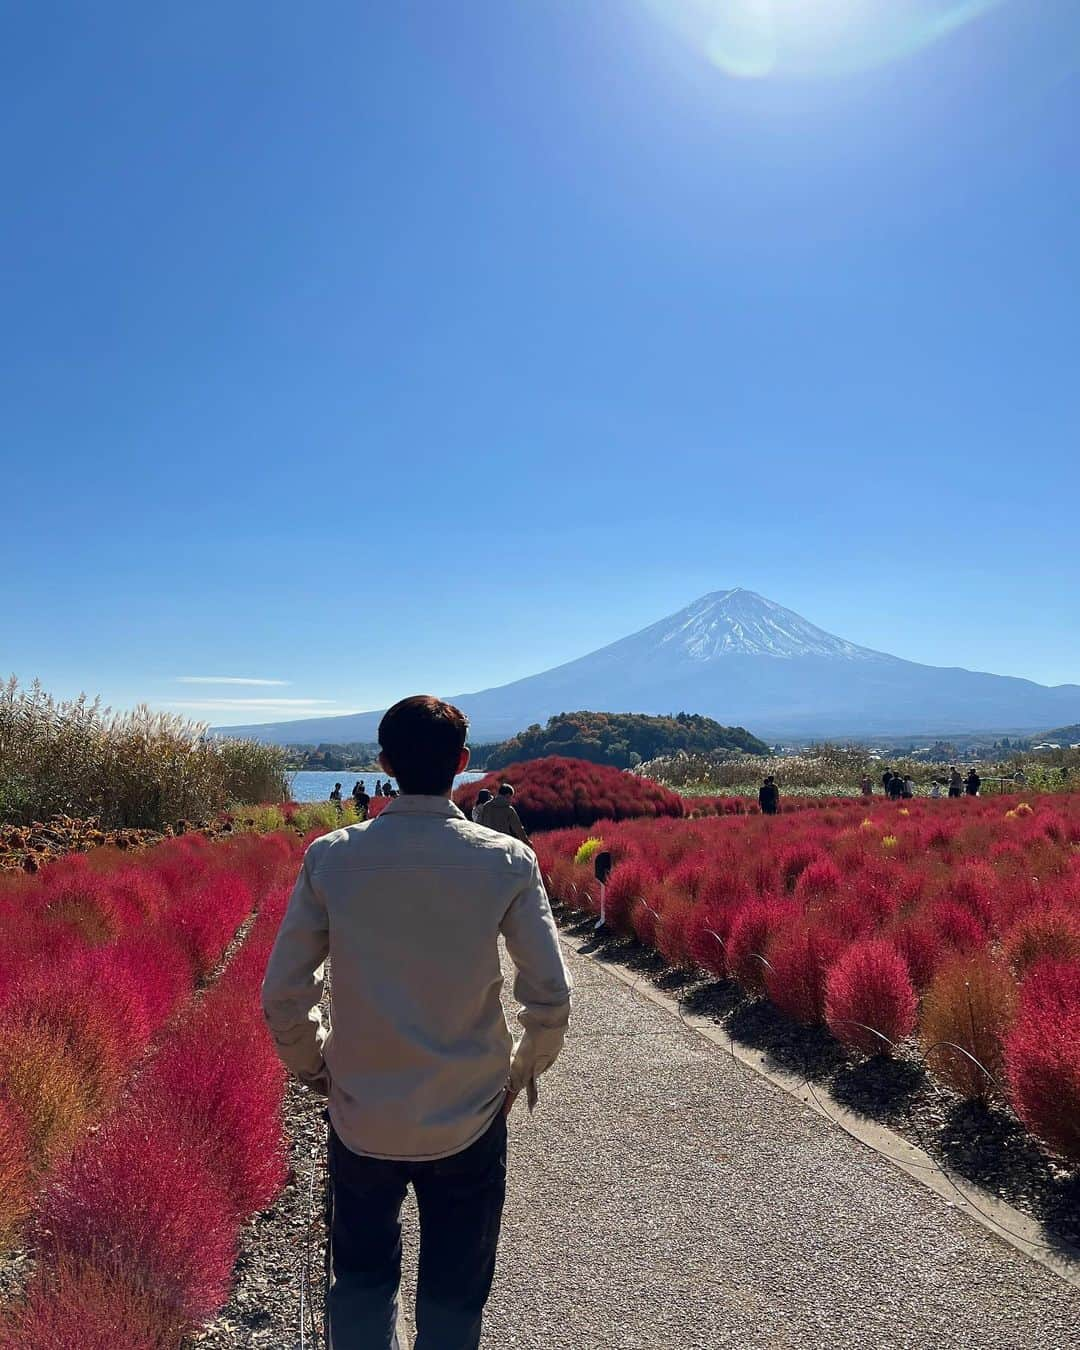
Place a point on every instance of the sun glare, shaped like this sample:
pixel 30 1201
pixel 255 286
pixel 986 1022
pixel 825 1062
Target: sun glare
pixel 753 39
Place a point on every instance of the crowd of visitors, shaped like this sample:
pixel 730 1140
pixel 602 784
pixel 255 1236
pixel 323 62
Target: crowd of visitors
pixel 894 786
pixel 495 810
pixel 361 797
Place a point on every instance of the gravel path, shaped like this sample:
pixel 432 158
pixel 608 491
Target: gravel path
pixel 665 1196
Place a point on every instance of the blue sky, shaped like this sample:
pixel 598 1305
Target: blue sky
pixel 369 348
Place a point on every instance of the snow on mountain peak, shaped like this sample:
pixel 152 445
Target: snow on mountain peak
pixel 739 622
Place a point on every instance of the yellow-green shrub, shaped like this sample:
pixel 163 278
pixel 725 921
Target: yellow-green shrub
pixel 588 850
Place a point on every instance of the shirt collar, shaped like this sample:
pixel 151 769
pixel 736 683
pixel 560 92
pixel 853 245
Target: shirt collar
pixel 416 804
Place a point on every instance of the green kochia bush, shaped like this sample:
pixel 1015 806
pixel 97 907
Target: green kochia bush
pixel 140 769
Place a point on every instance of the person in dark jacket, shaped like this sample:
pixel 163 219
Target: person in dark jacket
pixel 956 783
pixel 769 797
pixel 335 796
pixel 361 798
pixel 972 784
pixel 886 779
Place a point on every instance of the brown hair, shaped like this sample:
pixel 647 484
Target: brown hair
pixel 422 739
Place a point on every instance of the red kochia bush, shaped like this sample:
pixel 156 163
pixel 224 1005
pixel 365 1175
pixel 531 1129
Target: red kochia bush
pixel 16 1173
pixel 138 1196
pixel 957 927
pixel 210 917
pixel 631 882
pixel 922 949
pixel 799 959
pixel 1045 933
pixel 869 986
pixel 748 941
pixel 77 1304
pixel 553 793
pixel 820 878
pixel 794 861
pixel 707 930
pixel 1042 1055
pixel 968 895
pixel 220 1083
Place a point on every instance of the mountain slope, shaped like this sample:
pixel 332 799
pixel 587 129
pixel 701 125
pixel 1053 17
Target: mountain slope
pixel 737 657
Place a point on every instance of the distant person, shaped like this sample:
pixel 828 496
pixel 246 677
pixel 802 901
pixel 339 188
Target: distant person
pixel 895 787
pixel 972 784
pixel 390 791
pixel 956 783
pixel 908 788
pixel 935 789
pixel 866 786
pixel 361 798
pixel 482 799
pixel 335 796
pixel 500 814
pixel 419 1067
pixel 886 779
pixel 378 787
pixel 769 797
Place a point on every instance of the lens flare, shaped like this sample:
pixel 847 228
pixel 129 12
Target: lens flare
pixel 752 39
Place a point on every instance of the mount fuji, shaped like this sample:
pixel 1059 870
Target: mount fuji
pixel 737 657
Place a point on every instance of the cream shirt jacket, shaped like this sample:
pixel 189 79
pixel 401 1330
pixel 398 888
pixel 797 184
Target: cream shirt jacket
pixel 409 908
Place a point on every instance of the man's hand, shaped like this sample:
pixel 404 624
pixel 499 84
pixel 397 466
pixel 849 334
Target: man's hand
pixel 508 1102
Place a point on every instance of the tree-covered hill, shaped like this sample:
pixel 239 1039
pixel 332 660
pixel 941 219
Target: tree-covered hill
pixel 1062 735
pixel 621 739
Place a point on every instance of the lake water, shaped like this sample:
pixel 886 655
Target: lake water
pixel 315 785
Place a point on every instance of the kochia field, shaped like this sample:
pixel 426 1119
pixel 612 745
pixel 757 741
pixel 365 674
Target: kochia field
pixel 957 922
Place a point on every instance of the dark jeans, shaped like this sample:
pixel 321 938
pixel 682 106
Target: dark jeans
pixel 460 1200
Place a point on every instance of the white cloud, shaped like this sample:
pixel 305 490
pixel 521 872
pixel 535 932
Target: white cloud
pixel 224 679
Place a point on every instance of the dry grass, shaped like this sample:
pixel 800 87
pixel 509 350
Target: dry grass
pixel 969 1005
pixel 139 769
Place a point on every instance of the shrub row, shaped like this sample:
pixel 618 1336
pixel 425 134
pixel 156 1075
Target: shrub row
pixel 100 951
pixel 956 919
pixel 555 792
pixel 137 1229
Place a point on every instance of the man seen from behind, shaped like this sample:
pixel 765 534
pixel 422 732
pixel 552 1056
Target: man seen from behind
pixel 418 1065
pixel 500 814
